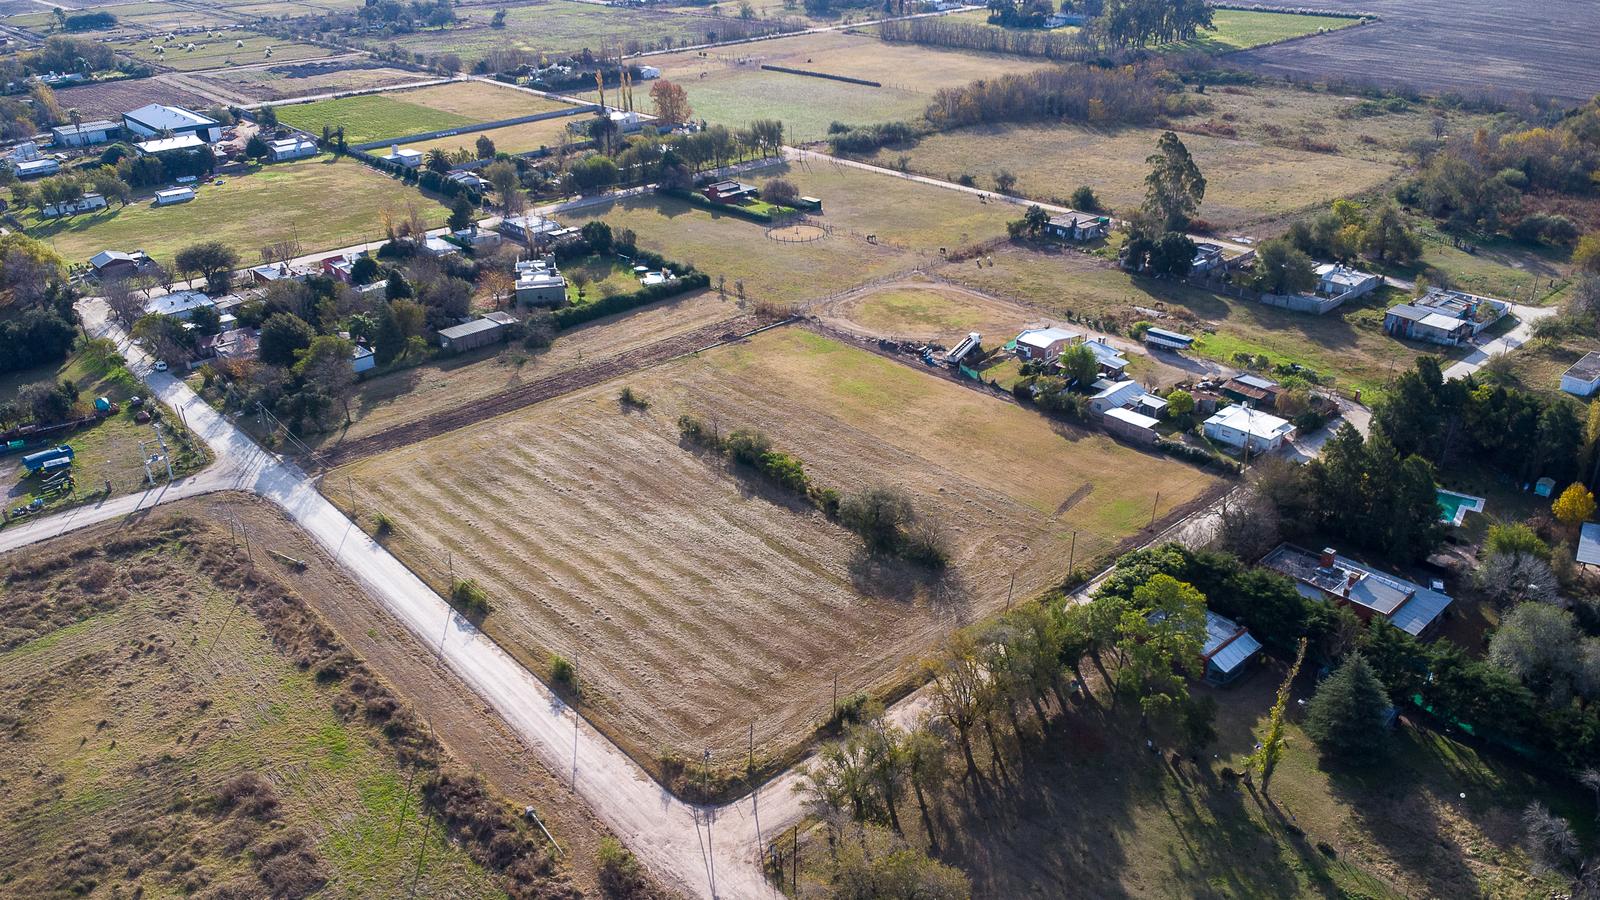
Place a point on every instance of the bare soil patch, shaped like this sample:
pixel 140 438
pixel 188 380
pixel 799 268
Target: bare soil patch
pixel 1469 46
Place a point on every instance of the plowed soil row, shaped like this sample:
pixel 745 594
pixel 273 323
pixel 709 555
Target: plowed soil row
pixel 538 391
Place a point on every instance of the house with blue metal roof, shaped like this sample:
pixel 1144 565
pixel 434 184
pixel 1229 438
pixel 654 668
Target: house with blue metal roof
pixel 1228 650
pixel 1589 544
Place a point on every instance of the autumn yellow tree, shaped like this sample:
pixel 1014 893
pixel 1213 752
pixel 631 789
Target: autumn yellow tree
pixel 1574 506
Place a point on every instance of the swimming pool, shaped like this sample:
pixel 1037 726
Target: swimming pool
pixel 1453 507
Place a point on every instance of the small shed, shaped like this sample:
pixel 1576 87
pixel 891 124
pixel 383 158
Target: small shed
pixel 1134 426
pixel 1582 378
pixel 1228 650
pixel 171 196
pixel 479 332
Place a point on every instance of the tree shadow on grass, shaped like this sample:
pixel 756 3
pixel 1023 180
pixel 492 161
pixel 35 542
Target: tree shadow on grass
pixel 1393 804
pixel 947 592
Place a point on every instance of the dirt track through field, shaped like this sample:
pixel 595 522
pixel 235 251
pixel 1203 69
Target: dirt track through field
pixel 536 391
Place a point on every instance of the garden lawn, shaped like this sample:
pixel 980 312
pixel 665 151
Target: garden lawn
pixel 603 277
pixel 909 224
pixel 1348 344
pixel 323 203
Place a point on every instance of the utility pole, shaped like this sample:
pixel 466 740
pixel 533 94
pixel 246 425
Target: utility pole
pixel 1072 553
pixel 354 512
pixel 836 695
pixel 1011 588
pixel 1153 505
pixel 422 852
pixel 750 766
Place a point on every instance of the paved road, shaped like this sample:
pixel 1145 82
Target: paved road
pixel 1527 317
pixel 705 852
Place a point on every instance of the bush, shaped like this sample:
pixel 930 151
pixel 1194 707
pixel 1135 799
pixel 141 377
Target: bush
pixel 888 524
pixel 562 671
pixel 1346 714
pixel 633 400
pixel 698 433
pixel 470 596
pixel 1084 200
pixel 620 874
pixel 382 524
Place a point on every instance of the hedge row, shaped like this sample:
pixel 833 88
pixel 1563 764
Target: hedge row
pixel 807 72
pixel 577 315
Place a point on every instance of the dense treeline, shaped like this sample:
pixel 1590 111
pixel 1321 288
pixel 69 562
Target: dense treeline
pixel 1446 422
pixel 1498 180
pixel 37 324
pixel 942 32
pixel 1080 93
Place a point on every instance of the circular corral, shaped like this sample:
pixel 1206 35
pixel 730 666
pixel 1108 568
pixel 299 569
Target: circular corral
pixel 797 233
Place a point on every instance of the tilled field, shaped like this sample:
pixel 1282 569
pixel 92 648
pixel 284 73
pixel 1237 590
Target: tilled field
pixel 1471 46
pixel 695 601
pixel 563 381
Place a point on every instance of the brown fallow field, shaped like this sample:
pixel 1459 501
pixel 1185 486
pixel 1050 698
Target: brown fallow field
pixel 695 601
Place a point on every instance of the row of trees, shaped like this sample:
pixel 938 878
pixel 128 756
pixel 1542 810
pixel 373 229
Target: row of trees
pixel 1348 230
pixel 70 187
pixel 1076 93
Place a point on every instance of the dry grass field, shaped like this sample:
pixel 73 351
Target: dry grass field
pixel 416 393
pixel 728 86
pixel 1468 46
pixel 1245 181
pixel 306 79
pixel 909 224
pixel 145 680
pixel 510 139
pixel 557 27
pixel 217 50
pixel 694 601
pixel 926 310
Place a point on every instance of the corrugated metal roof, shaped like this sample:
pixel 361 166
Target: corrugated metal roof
pixel 1227 645
pixel 1416 614
pixel 1589 544
pixel 1132 418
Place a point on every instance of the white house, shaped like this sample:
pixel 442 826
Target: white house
pixel 1246 429
pixel 1045 344
pixel 154 120
pixel 86 203
pixel 1335 280
pixel 174 195
pixel 291 148
pixel 438 246
pixel 84 134
pixel 539 284
pixel 178 303
pixel 1582 379
pixel 403 156
pixel 36 168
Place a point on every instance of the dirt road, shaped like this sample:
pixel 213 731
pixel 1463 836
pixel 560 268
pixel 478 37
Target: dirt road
pixel 704 852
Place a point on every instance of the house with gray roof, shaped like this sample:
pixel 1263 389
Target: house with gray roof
pixel 1367 592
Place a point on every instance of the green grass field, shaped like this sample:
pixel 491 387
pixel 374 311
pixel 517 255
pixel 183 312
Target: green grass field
pixel 220 51
pixel 908 222
pixel 131 706
pixel 1240 29
pixel 322 202
pixel 393 114
pixel 728 86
